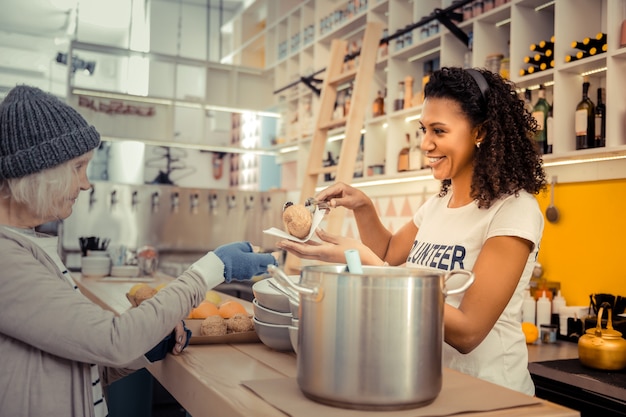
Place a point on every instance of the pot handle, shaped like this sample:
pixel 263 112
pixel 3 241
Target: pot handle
pixel 462 288
pixel 284 280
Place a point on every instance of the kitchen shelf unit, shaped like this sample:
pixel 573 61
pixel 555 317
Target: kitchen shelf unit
pixel 191 100
pixel 508 29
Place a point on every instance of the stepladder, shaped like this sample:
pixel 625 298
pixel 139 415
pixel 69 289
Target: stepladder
pixel 360 77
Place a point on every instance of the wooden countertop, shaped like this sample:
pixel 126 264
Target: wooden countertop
pixel 206 379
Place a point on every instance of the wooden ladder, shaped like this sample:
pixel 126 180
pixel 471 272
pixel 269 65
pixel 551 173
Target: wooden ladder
pixel 362 77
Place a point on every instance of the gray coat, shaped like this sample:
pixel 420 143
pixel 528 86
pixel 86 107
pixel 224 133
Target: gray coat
pixel 50 333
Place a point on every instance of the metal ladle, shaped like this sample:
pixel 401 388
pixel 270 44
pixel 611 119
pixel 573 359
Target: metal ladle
pixel 552 213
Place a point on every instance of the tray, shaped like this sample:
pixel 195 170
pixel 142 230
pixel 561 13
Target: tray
pixel 196 339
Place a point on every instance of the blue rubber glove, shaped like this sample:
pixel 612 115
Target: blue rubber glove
pixel 240 263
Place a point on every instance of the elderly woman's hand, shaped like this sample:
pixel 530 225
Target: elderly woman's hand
pixel 174 343
pixel 241 262
pixel 181 338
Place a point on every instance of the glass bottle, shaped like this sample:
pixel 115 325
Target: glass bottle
pixel 378 108
pixel 403 156
pixel 329 162
pixel 550 129
pixel 600 127
pixel 585 119
pixel 540 113
pixel 398 104
pixel 528 100
pixel 408 91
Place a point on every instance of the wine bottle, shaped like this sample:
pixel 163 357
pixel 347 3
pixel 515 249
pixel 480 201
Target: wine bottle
pixel 588 43
pixel 585 120
pixel 547 54
pixel 550 129
pixel 601 37
pixel 528 97
pixel 540 113
pixel 530 70
pixel 538 58
pixel 541 46
pixel 600 116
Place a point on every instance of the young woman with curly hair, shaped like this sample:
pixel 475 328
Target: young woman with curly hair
pixel 478 139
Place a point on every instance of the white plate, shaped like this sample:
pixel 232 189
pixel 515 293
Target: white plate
pixel 128 271
pixel 317 219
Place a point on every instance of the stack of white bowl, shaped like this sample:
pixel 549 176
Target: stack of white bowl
pixel 275 315
pixel 95 265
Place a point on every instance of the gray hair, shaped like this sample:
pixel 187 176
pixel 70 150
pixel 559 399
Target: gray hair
pixel 40 190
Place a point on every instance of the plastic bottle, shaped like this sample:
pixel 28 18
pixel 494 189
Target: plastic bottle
pixel 544 310
pixel 528 307
pixel 557 302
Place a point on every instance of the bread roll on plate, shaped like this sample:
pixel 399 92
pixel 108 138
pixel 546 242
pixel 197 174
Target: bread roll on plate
pixel 297 219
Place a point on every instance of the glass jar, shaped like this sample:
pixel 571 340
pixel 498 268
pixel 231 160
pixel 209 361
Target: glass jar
pixel 492 62
pixel 504 68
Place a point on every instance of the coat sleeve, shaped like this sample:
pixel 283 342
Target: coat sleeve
pixel 41 309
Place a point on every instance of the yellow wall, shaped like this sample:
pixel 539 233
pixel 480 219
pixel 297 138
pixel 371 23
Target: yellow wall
pixel 586 249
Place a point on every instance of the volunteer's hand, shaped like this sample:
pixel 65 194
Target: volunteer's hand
pixel 331 249
pixel 343 195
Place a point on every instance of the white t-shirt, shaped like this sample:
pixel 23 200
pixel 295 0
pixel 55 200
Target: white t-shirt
pixel 451 238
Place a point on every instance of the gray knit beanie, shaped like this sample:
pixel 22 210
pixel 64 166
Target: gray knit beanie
pixel 39 131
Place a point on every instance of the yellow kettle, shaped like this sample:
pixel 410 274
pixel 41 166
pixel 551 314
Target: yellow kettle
pixel 603 349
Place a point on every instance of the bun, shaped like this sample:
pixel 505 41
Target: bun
pixel 297 219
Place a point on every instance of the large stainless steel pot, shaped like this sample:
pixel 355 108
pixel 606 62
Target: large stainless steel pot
pixel 373 340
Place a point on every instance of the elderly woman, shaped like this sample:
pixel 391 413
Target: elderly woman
pixel 58 348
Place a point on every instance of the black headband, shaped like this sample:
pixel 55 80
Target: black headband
pixel 480 81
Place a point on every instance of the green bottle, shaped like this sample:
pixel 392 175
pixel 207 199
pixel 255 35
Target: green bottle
pixel 540 113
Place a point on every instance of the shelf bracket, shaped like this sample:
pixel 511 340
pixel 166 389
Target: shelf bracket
pixel 308 81
pixel 444 18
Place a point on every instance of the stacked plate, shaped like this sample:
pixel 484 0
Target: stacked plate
pixel 274 319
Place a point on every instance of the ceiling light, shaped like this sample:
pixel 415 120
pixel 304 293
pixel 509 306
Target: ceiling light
pixel 594 71
pixel 583 160
pixel 424 54
pixel 503 22
pixel 545 5
pixel 388 181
